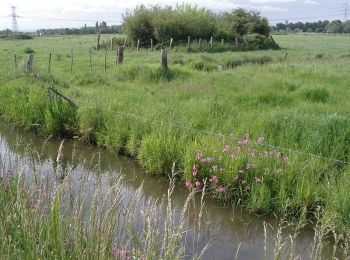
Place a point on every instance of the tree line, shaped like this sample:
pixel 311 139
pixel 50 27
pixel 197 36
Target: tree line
pixel 325 26
pixel 101 28
pixel 163 23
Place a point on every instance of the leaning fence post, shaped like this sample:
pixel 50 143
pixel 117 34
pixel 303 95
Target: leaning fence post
pixel 15 61
pixel 49 67
pixel 138 45
pixel 164 59
pixel 90 54
pixel 29 63
pixel 151 44
pixel 120 55
pixel 111 42
pixel 71 62
pixel 98 42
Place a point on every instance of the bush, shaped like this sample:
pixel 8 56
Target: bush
pixel 28 50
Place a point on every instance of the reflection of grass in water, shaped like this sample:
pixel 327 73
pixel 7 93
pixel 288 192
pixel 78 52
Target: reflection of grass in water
pixel 80 220
pixel 92 217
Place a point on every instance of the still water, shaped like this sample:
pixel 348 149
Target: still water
pixel 227 228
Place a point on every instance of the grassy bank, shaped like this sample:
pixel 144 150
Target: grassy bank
pixel 199 113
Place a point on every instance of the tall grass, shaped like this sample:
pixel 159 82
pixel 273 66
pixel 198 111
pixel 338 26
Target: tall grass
pixel 136 109
pixel 73 214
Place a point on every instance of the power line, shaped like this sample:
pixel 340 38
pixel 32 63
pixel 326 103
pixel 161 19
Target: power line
pixel 14 19
pixel 306 17
pixel 65 19
pixel 346 11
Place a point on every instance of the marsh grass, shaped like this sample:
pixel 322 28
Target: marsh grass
pixel 69 214
pixel 135 109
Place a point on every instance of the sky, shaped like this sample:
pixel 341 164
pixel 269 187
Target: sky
pixel 37 14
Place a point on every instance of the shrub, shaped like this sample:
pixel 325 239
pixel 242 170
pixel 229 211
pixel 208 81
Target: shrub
pixel 28 50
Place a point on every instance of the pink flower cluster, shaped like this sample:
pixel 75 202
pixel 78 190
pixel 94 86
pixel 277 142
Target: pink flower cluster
pixel 252 162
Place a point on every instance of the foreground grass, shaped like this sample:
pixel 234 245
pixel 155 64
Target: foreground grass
pixel 136 109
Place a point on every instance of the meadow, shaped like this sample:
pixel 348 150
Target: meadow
pixel 270 134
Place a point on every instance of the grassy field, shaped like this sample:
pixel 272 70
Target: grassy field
pixel 246 122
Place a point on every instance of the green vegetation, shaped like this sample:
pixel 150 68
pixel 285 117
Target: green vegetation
pixel 163 24
pixel 41 218
pixel 205 103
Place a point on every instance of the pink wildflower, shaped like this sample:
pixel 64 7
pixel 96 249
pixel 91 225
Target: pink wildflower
pixel 194 170
pixel 189 185
pixel 226 148
pixel 220 190
pixel 114 250
pixel 286 160
pixel 213 179
pixel 238 149
pixel 199 184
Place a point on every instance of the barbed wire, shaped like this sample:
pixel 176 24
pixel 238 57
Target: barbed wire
pixel 177 125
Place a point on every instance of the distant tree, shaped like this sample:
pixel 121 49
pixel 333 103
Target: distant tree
pixel 346 27
pixel 335 27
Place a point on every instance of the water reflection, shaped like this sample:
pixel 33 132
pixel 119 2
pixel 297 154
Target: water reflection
pixel 228 228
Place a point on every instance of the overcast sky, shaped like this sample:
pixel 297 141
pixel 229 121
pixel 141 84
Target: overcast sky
pixel 36 14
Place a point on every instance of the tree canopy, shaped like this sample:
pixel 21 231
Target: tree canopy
pixel 163 23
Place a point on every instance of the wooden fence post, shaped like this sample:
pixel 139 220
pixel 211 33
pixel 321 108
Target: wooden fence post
pixel 126 39
pixel 111 42
pixel 90 54
pixel 200 43
pixel 29 63
pixel 49 67
pixel 98 42
pixel 151 44
pixel 171 43
pixel 138 45
pixel 211 43
pixel 120 55
pixel 71 62
pixel 222 42
pixel 188 42
pixel 15 61
pixel 164 59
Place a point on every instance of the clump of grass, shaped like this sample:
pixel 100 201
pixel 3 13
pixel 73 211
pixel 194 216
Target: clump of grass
pixel 316 95
pixel 28 50
pixel 204 66
pixel 260 60
pixel 274 99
